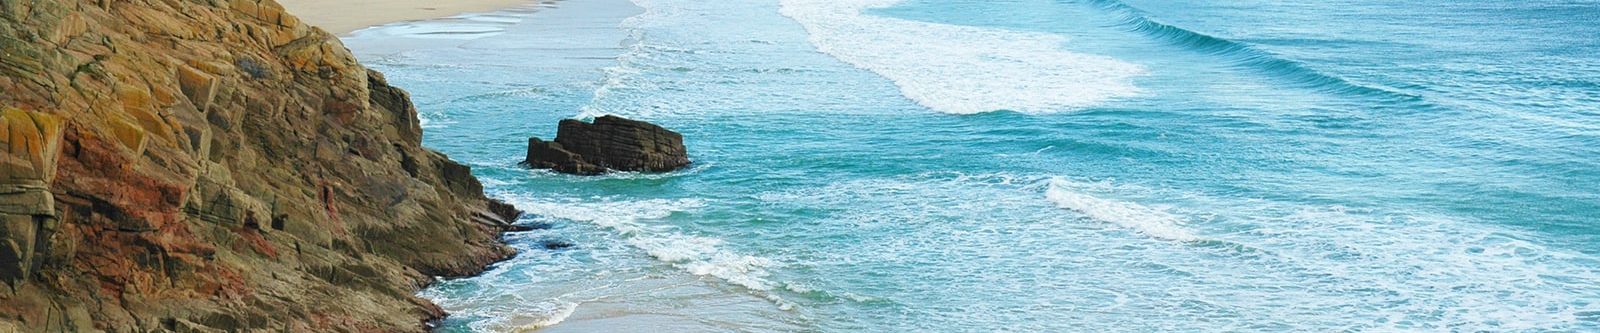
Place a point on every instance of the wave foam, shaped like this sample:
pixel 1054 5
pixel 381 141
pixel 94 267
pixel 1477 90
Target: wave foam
pixel 1393 269
pixel 1150 221
pixel 697 255
pixel 517 317
pixel 553 317
pixel 962 69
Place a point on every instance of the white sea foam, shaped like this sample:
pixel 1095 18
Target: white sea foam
pixel 464 26
pixel 1395 270
pixel 693 169
pixel 616 75
pixel 1150 221
pixel 517 316
pixel 423 121
pixel 963 69
pixel 1235 263
pixel 698 255
pixel 433 120
pixel 556 316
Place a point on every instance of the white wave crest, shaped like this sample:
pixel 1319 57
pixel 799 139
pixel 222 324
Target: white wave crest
pixel 526 316
pixel 1149 221
pixel 554 316
pixel 963 69
pixel 698 255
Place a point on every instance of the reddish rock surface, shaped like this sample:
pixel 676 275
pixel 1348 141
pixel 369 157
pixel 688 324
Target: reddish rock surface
pixel 183 165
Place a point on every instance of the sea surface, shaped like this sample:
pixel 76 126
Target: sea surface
pixel 1032 165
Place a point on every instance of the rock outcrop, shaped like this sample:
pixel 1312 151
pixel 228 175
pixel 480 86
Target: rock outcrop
pixel 610 143
pixel 217 166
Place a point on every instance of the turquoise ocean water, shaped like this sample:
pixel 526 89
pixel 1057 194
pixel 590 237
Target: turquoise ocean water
pixel 1033 165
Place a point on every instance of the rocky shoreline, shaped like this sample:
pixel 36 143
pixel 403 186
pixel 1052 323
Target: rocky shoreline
pixel 217 166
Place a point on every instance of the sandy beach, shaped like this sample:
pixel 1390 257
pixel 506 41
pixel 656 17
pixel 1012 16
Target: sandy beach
pixel 343 17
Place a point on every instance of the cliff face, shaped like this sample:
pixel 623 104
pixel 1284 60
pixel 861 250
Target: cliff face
pixel 200 165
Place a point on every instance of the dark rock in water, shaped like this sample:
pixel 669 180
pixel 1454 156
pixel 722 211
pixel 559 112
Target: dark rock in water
pixel 553 244
pixel 505 211
pixel 610 143
pixel 528 226
pixel 539 226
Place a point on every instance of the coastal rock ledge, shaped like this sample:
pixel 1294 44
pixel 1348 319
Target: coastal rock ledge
pixel 610 143
pixel 217 166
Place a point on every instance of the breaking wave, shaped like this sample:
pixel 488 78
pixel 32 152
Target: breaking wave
pixel 1149 221
pixel 962 69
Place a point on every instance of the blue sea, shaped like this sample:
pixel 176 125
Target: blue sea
pixel 1032 165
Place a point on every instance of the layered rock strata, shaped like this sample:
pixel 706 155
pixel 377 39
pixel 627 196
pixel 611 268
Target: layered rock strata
pixel 217 166
pixel 610 143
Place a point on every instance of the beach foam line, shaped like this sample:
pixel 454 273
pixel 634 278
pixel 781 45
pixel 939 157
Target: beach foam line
pixel 463 27
pixel 556 316
pixel 696 255
pixel 518 317
pixel 963 69
pixel 1149 221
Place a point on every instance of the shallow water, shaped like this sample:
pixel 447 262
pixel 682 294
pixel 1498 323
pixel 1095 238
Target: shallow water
pixel 1025 165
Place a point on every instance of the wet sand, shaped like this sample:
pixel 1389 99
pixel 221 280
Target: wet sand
pixel 344 16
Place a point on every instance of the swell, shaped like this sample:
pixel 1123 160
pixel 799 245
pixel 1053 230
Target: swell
pixel 1244 55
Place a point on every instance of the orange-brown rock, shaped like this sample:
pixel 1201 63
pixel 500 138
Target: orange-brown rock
pixel 216 165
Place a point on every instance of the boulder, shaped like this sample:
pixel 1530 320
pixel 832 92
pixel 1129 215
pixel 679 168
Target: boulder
pixel 555 244
pixel 610 143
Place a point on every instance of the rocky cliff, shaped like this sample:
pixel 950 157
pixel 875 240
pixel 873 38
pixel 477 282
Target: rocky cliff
pixel 216 165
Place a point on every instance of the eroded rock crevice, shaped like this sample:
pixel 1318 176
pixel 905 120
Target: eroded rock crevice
pixel 609 143
pixel 217 166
